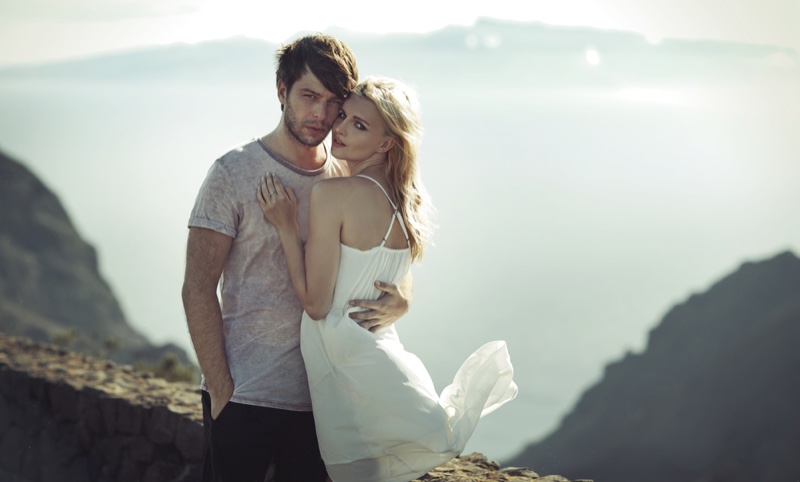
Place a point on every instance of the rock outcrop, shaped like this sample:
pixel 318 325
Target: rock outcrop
pixel 70 417
pixel 50 286
pixel 714 397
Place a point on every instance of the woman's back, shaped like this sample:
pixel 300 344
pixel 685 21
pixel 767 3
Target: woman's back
pixel 374 245
pixel 368 213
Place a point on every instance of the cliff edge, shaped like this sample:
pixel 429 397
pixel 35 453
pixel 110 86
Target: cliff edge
pixel 50 285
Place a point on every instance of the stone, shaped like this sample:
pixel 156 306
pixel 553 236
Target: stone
pixel 63 401
pixel 108 409
pixel 5 414
pixel 116 426
pixel 12 450
pixel 110 451
pixel 161 471
pixel 520 472
pixel 141 449
pixel 31 464
pixel 161 425
pixel 129 419
pixel 129 470
pixel 189 439
pixel 90 414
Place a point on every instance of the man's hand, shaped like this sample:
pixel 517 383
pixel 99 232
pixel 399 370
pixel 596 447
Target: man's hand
pixel 381 313
pixel 220 397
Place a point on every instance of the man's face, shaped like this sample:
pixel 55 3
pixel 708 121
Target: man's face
pixel 309 109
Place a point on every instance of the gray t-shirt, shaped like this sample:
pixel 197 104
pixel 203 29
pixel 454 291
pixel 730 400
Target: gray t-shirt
pixel 260 311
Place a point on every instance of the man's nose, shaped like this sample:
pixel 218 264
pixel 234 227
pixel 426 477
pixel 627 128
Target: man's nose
pixel 318 110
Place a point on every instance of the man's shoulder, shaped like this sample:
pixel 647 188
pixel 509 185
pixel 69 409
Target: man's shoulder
pixel 244 160
pixel 240 151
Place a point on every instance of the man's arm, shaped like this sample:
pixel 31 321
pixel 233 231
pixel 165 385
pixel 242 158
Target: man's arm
pixel 392 304
pixel 206 252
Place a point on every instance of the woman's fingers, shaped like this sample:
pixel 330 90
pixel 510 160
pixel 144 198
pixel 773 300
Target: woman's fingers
pixel 261 193
pixel 269 189
pixel 273 196
pixel 281 191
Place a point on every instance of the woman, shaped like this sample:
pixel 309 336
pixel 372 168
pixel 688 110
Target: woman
pixel 377 414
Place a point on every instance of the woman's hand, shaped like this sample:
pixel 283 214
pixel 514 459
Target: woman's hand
pixel 278 203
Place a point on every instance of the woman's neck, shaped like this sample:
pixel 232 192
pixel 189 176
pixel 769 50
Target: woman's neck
pixel 369 166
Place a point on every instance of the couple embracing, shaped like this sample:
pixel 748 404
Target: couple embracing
pixel 311 245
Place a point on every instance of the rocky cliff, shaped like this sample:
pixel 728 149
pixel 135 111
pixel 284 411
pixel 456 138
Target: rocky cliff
pixel 714 397
pixel 69 417
pixel 50 286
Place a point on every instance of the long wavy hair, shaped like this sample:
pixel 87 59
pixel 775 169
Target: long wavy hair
pixel 398 106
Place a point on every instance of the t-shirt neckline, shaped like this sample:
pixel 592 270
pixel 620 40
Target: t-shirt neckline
pixel 291 166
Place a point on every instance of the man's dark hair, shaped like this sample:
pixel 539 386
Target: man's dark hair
pixel 329 59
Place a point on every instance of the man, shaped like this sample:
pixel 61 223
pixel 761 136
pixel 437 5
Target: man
pixel 256 403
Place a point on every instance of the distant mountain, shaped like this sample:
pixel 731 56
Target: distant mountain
pixel 714 397
pixel 490 51
pixel 50 287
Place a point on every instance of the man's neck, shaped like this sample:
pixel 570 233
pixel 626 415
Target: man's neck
pixel 301 156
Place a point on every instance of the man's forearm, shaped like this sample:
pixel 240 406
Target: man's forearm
pixel 204 318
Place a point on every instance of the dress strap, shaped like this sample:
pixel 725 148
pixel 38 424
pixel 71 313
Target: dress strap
pixel 395 214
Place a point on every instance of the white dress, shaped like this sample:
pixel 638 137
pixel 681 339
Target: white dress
pixel 378 417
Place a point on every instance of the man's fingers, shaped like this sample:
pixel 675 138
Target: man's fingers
pixel 387 288
pixel 370 325
pixel 366 315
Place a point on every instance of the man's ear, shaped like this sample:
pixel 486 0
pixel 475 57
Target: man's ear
pixel 387 144
pixel 283 92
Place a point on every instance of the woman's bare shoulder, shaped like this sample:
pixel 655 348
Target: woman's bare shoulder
pixel 339 186
pixel 331 186
pixel 333 192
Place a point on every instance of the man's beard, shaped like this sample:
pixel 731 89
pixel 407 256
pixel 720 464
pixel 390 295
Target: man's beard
pixel 295 128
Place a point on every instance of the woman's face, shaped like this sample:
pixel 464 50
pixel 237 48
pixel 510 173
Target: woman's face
pixel 359 132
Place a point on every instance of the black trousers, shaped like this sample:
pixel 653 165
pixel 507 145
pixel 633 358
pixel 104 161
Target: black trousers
pixel 245 439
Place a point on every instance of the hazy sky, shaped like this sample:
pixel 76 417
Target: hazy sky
pixel 37 30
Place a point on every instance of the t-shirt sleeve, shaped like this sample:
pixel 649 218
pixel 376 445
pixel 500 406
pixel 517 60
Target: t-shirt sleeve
pixel 216 207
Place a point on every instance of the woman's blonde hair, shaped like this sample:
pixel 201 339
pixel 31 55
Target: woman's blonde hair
pixel 398 106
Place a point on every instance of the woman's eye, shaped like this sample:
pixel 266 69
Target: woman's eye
pixel 341 115
pixel 360 126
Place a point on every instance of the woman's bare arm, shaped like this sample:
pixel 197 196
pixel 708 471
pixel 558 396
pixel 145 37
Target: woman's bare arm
pixel 312 270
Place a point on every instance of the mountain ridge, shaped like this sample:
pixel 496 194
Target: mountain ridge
pixel 50 285
pixel 488 35
pixel 712 397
